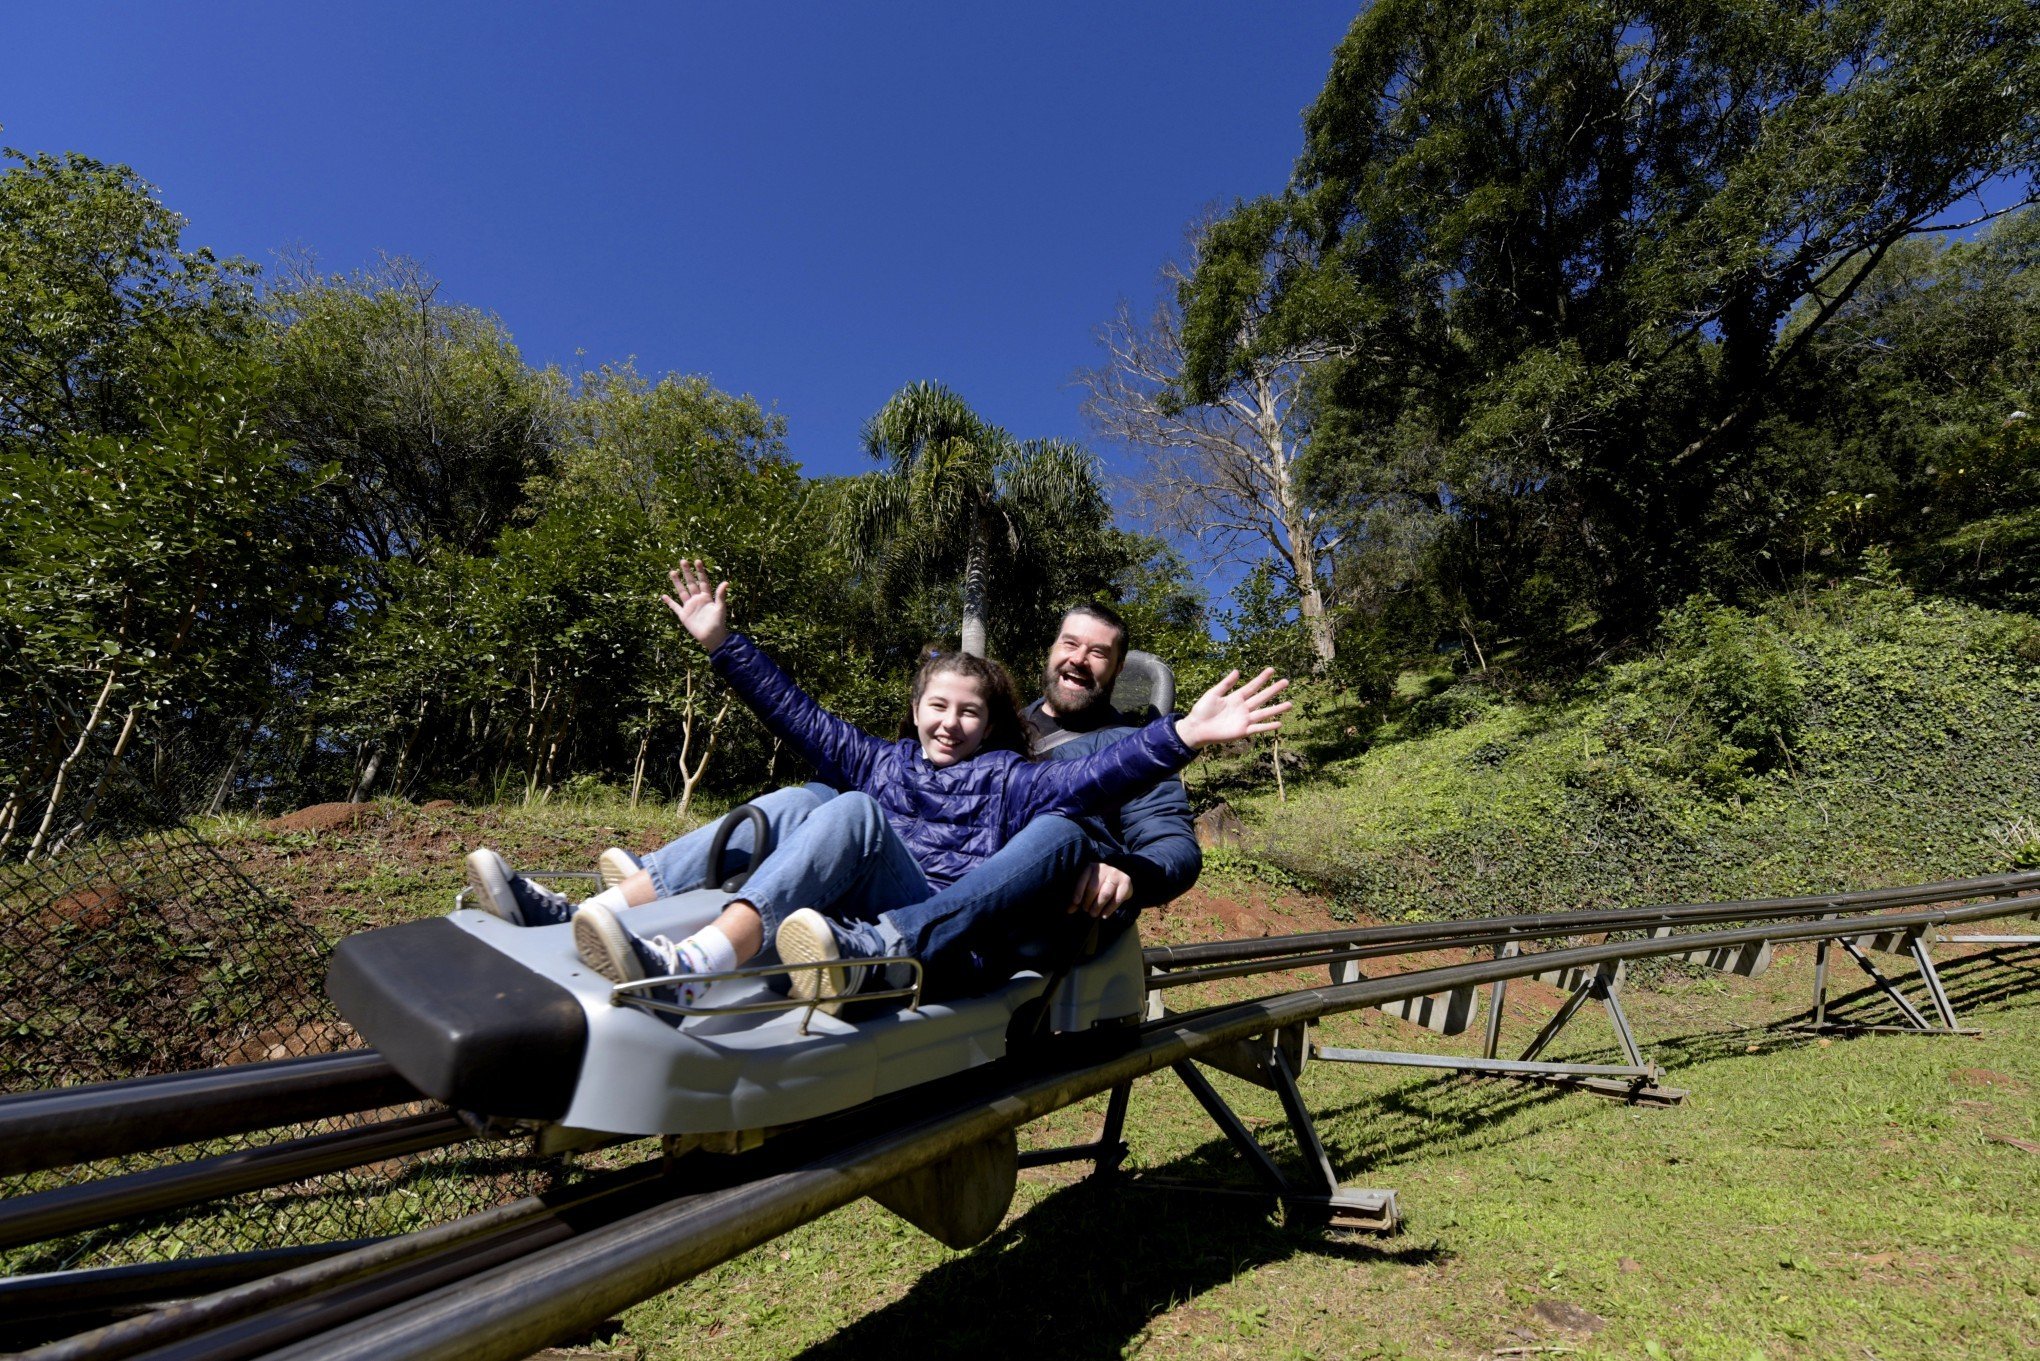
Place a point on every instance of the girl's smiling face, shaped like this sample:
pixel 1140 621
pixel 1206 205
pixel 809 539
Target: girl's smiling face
pixel 952 718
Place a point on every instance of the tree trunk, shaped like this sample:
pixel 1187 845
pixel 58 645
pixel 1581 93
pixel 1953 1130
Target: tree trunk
pixel 9 817
pixel 1296 528
pixel 689 778
pixel 367 780
pixel 127 730
pixel 1311 605
pixel 404 771
pixel 64 770
pixel 637 771
pixel 234 759
pixel 974 570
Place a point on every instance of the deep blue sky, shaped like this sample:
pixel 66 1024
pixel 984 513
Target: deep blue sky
pixel 811 203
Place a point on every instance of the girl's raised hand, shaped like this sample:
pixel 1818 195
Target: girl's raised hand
pixel 702 612
pixel 1223 714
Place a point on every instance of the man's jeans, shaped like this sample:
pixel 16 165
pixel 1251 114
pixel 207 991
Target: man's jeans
pixel 838 854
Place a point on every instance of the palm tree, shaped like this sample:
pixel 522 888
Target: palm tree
pixel 957 493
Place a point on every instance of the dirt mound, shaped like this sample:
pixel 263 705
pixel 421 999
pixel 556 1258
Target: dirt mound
pixel 90 909
pixel 293 1041
pixel 1218 825
pixel 321 817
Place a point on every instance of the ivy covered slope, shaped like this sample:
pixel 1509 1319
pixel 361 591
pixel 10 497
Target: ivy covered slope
pixel 1852 738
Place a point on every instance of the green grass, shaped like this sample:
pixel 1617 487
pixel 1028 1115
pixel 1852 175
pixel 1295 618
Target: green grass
pixel 1842 1199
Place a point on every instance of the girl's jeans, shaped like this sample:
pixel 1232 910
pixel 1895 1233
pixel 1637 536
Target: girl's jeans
pixel 837 854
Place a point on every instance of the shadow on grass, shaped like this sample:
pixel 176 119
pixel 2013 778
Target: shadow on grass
pixel 1973 982
pixel 1085 1271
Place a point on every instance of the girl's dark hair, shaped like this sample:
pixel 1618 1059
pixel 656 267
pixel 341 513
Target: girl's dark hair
pixel 1004 731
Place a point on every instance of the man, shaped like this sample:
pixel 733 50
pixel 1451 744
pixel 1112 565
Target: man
pixel 1146 850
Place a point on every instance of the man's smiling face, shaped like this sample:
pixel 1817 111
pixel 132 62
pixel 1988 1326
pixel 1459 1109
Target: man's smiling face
pixel 1082 663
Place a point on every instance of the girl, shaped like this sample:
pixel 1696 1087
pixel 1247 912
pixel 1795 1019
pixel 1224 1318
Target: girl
pixel 890 863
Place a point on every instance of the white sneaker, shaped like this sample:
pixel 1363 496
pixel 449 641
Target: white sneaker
pixel 807 937
pixel 617 865
pixel 509 895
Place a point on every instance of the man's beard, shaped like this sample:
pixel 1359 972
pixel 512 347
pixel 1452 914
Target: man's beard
pixel 1068 698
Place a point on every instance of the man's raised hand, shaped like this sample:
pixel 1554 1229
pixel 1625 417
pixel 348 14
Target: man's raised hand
pixel 1223 714
pixel 702 612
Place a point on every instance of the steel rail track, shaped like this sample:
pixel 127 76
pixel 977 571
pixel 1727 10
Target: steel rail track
pixel 69 1209
pixel 258 1314
pixel 511 1303
pixel 1478 936
pixel 41 1130
pixel 1164 961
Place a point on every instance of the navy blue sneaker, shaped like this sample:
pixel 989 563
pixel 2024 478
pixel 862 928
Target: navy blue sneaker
pixel 807 937
pixel 621 956
pixel 511 896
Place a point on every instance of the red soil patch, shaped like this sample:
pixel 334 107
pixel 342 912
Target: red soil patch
pixel 1246 911
pixel 293 1041
pixel 90 909
pixel 1986 1077
pixel 321 817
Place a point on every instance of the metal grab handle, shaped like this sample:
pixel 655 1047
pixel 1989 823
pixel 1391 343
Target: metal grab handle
pixel 761 844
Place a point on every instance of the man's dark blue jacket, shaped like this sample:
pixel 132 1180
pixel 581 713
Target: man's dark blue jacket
pixel 1149 836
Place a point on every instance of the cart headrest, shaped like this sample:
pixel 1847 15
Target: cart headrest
pixel 1145 680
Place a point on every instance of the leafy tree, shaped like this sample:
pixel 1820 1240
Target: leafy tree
pixel 145 559
pixel 433 420
pixel 960 497
pixel 1919 402
pixel 1551 249
pixel 95 286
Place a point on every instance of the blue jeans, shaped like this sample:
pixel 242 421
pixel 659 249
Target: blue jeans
pixel 966 935
pixel 681 865
pixel 838 854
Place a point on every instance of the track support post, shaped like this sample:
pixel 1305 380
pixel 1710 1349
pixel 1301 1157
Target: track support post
pixel 1634 1081
pixel 1273 1060
pixel 1911 944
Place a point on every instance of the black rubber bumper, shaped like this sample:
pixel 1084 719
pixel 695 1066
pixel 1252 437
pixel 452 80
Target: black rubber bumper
pixel 462 1022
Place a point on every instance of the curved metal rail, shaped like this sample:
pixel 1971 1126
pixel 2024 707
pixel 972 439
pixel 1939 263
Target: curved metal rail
pixel 1180 965
pixel 40 1130
pixel 484 1294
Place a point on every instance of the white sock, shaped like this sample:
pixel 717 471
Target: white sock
pixel 611 898
pixel 709 951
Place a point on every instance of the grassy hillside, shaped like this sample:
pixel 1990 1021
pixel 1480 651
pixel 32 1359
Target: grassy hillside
pixel 1850 738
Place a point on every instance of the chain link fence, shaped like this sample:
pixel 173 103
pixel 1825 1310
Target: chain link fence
pixel 135 947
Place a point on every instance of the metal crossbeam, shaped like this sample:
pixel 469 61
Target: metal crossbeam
pixel 1910 942
pixel 1266 1061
